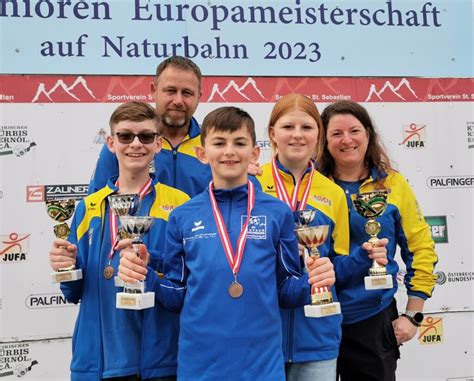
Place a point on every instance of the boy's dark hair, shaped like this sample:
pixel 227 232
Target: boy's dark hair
pixel 181 63
pixel 228 119
pixel 135 112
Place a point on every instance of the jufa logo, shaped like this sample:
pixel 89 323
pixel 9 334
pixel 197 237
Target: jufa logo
pixel 414 135
pixel 438 227
pixel 14 247
pixel 431 330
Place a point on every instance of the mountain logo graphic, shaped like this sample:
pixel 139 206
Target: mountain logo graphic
pixel 244 91
pixel 389 88
pixel 60 85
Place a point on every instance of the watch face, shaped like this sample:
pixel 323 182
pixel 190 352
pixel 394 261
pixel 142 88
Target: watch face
pixel 418 317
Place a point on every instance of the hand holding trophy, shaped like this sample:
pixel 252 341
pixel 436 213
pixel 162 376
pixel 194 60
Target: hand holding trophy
pixel 322 303
pixel 61 211
pixel 134 296
pixel 371 205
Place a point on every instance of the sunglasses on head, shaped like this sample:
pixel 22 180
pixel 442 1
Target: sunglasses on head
pixel 128 137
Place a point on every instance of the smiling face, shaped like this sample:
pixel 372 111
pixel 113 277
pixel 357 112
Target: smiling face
pixel 295 136
pixel 134 157
pixel 229 155
pixel 176 93
pixel 347 142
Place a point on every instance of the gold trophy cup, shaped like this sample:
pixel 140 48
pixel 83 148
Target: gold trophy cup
pixel 61 211
pixel 322 303
pixel 371 205
pixel 122 205
pixel 134 296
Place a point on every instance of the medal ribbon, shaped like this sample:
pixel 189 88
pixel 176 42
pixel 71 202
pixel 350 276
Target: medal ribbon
pixel 234 260
pixel 113 219
pixel 282 193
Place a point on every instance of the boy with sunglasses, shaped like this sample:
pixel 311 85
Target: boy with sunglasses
pixel 231 258
pixel 111 343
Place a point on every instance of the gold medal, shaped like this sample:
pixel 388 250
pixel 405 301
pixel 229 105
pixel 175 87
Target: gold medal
pixel 235 290
pixel 108 272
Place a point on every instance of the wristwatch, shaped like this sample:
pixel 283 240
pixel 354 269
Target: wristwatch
pixel 415 317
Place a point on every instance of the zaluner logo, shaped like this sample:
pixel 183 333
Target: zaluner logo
pixel 40 193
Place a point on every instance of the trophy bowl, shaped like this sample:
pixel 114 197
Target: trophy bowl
pixel 312 237
pixel 124 204
pixel 136 226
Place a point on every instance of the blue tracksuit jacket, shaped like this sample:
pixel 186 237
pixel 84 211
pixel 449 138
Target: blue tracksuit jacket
pixel 111 342
pixel 222 338
pixel 309 339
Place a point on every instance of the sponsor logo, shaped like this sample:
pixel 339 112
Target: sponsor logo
pixel 197 226
pixel 15 359
pixel 470 134
pixel 40 193
pixel 431 331
pixel 270 189
pixel 14 247
pixel 322 200
pixel 414 136
pixel 46 301
pixel 167 208
pixel 454 277
pixel 231 91
pixel 101 137
pixel 78 90
pixel 438 227
pixel 447 182
pixel 264 144
pixel 402 90
pixel 15 140
pixel 257 228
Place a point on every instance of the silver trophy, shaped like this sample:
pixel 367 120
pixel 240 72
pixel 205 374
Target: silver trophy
pixel 322 303
pixel 371 205
pixel 61 211
pixel 134 296
pixel 122 205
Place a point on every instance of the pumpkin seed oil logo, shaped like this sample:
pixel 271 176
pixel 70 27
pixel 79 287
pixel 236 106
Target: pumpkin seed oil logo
pixel 14 247
pixel 414 136
pixel 438 227
pixel 15 360
pixel 15 140
pixel 431 330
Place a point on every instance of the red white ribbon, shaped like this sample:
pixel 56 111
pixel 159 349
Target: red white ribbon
pixel 113 219
pixel 282 193
pixel 234 260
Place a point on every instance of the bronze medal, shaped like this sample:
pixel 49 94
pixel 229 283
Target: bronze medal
pixel 108 272
pixel 235 290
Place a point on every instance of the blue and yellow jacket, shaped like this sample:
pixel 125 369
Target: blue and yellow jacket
pixel 309 339
pixel 222 338
pixel 177 166
pixel 110 342
pixel 404 225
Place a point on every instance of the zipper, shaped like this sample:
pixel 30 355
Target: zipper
pixel 291 320
pixel 102 229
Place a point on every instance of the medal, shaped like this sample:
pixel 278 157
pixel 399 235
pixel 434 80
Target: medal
pixel 282 193
pixel 235 289
pixel 108 272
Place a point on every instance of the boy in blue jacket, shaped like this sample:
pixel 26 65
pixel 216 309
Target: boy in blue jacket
pixel 231 258
pixel 110 343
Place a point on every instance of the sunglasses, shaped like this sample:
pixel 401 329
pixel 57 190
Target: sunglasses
pixel 128 137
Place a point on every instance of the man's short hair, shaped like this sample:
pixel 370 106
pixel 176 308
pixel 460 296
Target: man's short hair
pixel 228 119
pixel 181 63
pixel 135 112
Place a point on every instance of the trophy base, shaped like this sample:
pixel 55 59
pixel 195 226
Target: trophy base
pixel 378 282
pixel 66 276
pixel 118 282
pixel 128 301
pixel 322 310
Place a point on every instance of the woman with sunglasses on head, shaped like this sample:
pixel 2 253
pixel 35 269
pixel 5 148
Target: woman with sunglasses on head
pixel 310 345
pixel 353 157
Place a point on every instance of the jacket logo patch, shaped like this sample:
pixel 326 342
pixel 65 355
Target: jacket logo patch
pixel 322 200
pixel 167 208
pixel 257 226
pixel 197 226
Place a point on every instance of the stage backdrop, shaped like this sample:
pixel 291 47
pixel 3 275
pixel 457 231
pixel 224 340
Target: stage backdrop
pixel 65 68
